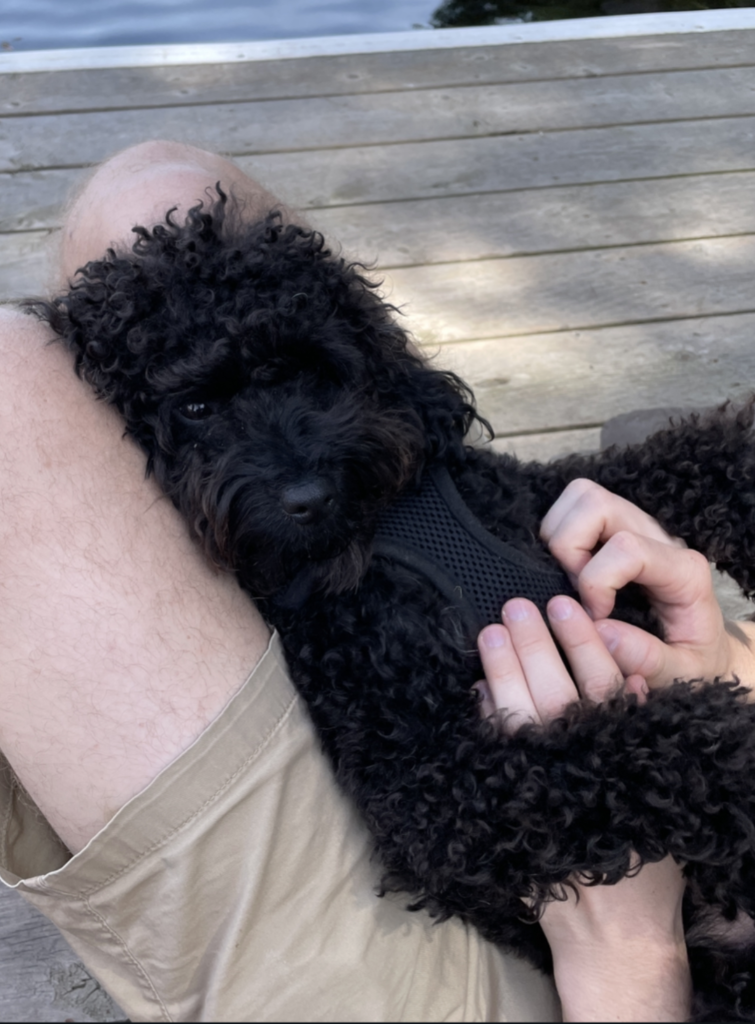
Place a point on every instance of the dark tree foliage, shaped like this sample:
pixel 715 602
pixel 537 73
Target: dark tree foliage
pixel 464 13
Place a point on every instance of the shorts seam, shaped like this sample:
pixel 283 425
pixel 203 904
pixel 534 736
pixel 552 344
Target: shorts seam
pixel 136 963
pixel 277 725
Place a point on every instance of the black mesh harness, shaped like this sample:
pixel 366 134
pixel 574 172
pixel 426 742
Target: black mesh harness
pixel 432 531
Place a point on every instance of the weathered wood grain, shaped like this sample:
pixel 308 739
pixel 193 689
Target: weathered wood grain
pixel 345 177
pixel 462 228
pixel 572 291
pixel 409 171
pixel 33 201
pixel 384 118
pixel 119 88
pixel 579 379
pixel 24 264
pixel 41 978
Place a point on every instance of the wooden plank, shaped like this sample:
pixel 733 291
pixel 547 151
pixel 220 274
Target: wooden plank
pixel 118 88
pixel 24 264
pixel 370 174
pixel 33 201
pixel 574 291
pixel 552 292
pixel 371 119
pixel 578 379
pixel 477 227
pixel 42 978
pixel 347 177
pixel 483 226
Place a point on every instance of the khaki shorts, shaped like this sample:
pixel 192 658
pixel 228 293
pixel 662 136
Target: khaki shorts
pixel 239 885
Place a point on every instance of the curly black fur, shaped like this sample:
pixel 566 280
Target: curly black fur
pixel 254 367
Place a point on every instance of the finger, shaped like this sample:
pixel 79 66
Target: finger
pixel 595 671
pixel 586 515
pixel 640 655
pixel 550 685
pixel 678 580
pixel 507 687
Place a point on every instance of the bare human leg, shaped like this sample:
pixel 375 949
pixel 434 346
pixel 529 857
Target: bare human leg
pixel 118 643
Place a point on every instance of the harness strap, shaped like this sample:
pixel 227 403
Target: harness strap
pixel 432 531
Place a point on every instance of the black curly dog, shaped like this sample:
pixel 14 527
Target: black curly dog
pixel 286 415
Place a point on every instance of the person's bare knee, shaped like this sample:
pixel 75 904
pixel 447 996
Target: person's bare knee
pixel 138 186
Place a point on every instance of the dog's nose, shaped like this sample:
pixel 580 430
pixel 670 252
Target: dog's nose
pixel 309 501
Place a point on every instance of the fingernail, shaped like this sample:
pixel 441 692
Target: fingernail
pixel 560 609
pixel 516 610
pixel 609 635
pixel 493 637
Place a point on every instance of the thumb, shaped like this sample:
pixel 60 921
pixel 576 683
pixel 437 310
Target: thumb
pixel 637 653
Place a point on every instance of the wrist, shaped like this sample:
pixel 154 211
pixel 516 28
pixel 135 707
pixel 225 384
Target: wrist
pixel 630 983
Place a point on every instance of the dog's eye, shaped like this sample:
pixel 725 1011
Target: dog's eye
pixel 195 410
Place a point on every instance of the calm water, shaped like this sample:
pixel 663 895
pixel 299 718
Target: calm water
pixel 50 24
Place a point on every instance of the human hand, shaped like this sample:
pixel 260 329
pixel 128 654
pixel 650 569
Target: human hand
pixel 618 951
pixel 526 676
pixel 605 542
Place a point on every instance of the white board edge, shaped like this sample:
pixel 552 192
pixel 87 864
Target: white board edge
pixel 675 22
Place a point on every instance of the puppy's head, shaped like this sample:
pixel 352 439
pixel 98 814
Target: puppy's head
pixel 278 401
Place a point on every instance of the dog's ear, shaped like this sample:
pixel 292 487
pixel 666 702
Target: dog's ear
pixel 446 405
pixel 104 321
pixel 130 312
pixel 442 401
pixel 394 370
pixel 98 321
pixel 449 410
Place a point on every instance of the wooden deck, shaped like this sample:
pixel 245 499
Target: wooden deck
pixel 569 224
